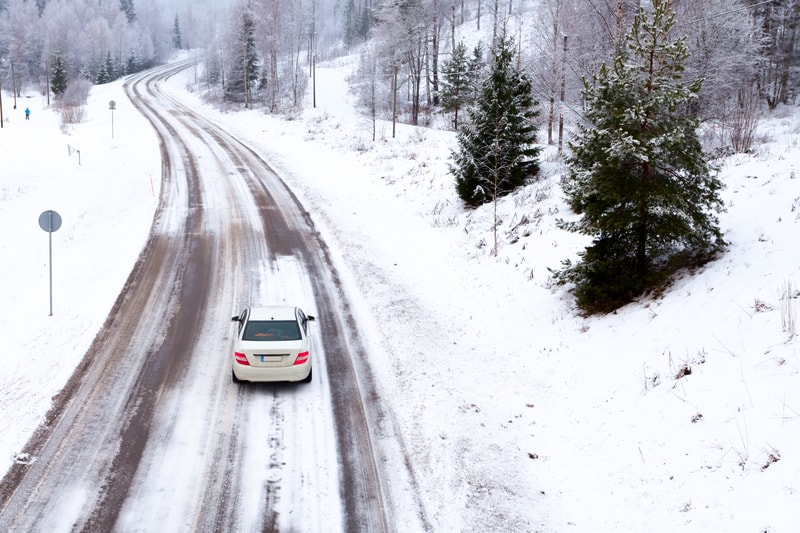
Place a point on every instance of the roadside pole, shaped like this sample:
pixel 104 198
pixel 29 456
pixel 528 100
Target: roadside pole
pixel 50 221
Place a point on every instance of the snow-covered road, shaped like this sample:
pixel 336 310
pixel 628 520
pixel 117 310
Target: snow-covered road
pixel 150 434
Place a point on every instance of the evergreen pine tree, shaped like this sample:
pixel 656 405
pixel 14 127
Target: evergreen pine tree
pixel 456 82
pixel 112 67
pixel 102 75
pixel 126 6
pixel 176 34
pixel 85 73
pixel 637 173
pixel 132 64
pixel 350 23
pixel 58 78
pixel 213 68
pixel 476 66
pixel 365 23
pixel 244 73
pixel 496 152
pixel 106 72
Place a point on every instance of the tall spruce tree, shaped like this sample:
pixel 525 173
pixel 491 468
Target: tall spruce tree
pixel 496 152
pixel 476 66
pixel 244 72
pixel 107 71
pixel 132 64
pixel 637 173
pixel 58 78
pixel 103 75
pixel 126 6
pixel 176 33
pixel 456 87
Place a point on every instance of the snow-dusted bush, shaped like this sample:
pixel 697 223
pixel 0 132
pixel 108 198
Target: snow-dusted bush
pixel 76 93
pixel 72 114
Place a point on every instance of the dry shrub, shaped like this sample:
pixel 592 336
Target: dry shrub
pixel 788 298
pixel 71 103
pixel 742 120
pixel 71 114
pixel 76 93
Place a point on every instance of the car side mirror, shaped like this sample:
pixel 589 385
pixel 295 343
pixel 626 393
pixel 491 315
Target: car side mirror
pixel 310 318
pixel 236 319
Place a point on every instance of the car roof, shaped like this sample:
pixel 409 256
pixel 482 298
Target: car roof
pixel 273 312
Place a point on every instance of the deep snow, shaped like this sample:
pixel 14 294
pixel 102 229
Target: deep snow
pixel 517 414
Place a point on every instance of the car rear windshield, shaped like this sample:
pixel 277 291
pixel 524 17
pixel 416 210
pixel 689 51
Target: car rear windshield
pixel 271 330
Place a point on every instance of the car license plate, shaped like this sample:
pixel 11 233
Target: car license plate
pixel 270 358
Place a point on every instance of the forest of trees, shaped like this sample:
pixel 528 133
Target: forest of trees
pixel 444 63
pixel 94 40
pixel 747 50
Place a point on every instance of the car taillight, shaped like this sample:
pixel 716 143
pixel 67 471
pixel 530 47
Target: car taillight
pixel 302 357
pixel 241 358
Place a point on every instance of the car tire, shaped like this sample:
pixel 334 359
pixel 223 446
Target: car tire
pixel 310 375
pixel 234 379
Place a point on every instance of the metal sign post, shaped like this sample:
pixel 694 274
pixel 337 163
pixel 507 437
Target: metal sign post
pixel 50 221
pixel 112 105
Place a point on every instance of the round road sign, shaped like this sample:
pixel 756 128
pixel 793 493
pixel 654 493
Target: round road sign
pixel 50 221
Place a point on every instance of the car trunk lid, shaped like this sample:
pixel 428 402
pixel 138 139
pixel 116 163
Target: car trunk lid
pixel 271 354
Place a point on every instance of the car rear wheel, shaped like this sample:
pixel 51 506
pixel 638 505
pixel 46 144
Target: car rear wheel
pixel 310 375
pixel 234 378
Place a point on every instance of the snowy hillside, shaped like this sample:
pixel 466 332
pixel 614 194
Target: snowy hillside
pixel 675 413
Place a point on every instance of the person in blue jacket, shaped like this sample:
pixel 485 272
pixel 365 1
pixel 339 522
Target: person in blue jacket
pixel 27 114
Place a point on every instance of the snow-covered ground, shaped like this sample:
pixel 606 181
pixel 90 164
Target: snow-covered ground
pixel 680 413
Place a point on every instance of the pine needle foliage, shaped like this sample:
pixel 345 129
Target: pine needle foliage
pixel 461 80
pixel 243 73
pixel 127 7
pixel 455 90
pixel 58 80
pixel 637 174
pixel 496 150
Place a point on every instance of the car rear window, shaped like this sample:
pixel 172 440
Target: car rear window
pixel 271 330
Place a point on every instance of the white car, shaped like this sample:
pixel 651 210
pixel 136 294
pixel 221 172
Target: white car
pixel 272 344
